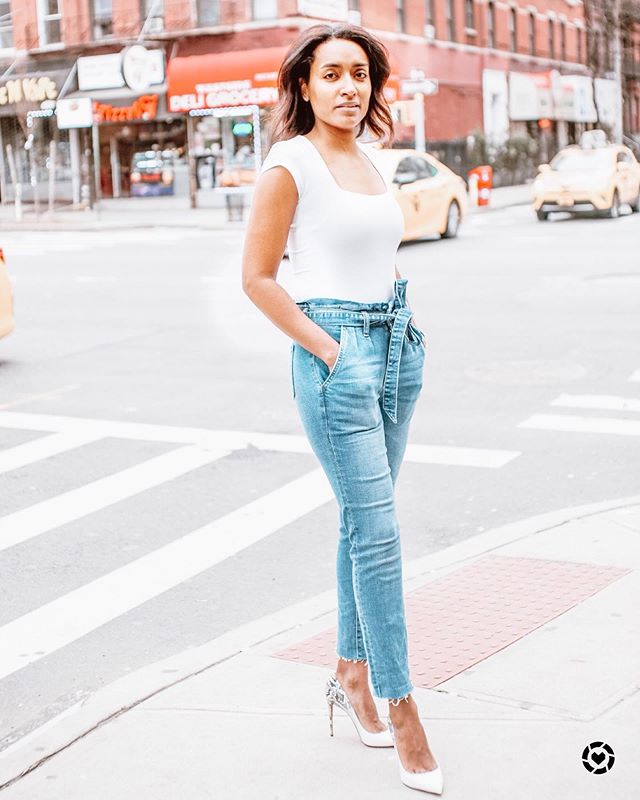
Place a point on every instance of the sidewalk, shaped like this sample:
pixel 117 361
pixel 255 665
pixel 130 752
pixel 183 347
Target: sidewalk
pixel 152 212
pixel 524 649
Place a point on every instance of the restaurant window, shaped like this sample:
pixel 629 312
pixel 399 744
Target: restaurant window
pixel 265 9
pixel 470 14
pixel 208 13
pixel 6 25
pixel 102 17
pixel 451 20
pixel 491 24
pixel 513 29
pixel 49 22
pixel 552 38
pixel 532 33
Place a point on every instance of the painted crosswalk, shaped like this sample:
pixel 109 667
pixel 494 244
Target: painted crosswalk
pixel 65 619
pixel 588 422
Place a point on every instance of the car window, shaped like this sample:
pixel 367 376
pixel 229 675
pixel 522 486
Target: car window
pixel 425 169
pixel 582 160
pixel 406 171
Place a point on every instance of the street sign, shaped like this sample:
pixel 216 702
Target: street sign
pixel 425 86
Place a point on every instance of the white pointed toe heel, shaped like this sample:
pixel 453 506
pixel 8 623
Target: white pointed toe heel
pixel 426 781
pixel 335 694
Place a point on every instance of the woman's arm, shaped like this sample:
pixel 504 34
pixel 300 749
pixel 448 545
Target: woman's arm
pixel 398 275
pixel 272 209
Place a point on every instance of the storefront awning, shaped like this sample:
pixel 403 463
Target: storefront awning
pixel 244 77
pixel 21 92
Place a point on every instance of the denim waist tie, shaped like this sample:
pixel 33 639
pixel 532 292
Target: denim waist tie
pixel 395 314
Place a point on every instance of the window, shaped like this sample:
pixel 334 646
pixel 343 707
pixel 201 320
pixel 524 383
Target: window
pixel 6 25
pixel 400 16
pixel 579 45
pixel 451 20
pixel 151 9
pixel 513 29
pixel 563 41
pixel 267 9
pixel 552 39
pixel 102 17
pixel 424 169
pixel 49 22
pixel 469 14
pixel 491 24
pixel 208 12
pixel 532 33
pixel 429 13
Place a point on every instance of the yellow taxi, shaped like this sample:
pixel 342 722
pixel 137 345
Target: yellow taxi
pixel 432 197
pixel 590 180
pixel 7 323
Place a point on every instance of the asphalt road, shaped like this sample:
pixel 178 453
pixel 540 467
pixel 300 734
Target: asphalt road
pixel 134 347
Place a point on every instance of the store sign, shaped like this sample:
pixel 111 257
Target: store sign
pixel 141 110
pixel 74 112
pixel 530 96
pixel 575 100
pixel 226 93
pixel 135 67
pixel 30 90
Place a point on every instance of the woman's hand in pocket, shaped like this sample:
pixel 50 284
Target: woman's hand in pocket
pixel 332 357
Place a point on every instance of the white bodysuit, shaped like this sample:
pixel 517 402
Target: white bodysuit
pixel 341 244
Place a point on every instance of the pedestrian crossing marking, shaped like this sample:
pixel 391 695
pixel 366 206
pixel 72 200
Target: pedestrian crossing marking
pixel 237 440
pixel 566 422
pixel 72 505
pixel 46 446
pixel 64 620
pixel 606 402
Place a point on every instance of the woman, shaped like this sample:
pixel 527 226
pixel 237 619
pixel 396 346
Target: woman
pixel 357 357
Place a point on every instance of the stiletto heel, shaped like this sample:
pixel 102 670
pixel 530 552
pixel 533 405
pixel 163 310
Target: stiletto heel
pixel 426 781
pixel 335 694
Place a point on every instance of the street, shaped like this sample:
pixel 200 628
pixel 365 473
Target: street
pixel 156 489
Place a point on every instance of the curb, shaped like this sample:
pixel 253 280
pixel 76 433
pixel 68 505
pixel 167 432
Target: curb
pixel 62 731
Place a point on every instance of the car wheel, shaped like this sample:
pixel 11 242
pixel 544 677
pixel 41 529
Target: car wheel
pixel 453 221
pixel 542 215
pixel 635 206
pixel 614 211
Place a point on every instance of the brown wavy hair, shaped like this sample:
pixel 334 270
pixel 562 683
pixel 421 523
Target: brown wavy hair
pixel 292 115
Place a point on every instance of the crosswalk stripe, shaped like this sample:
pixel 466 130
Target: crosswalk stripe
pixel 566 422
pixel 69 506
pixel 44 447
pixel 65 619
pixel 236 440
pixel 635 376
pixel 607 402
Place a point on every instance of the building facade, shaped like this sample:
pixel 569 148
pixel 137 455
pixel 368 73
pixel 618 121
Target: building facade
pixel 500 69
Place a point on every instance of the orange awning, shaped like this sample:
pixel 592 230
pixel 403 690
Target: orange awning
pixel 243 77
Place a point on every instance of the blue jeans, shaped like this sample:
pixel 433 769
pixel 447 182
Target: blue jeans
pixel 356 417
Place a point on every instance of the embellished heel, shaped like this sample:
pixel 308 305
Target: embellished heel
pixel 336 695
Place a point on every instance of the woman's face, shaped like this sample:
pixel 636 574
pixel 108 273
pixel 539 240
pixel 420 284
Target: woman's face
pixel 339 74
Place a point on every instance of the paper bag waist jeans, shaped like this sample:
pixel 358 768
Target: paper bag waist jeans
pixel 356 417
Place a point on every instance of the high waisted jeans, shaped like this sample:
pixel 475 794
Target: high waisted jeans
pixel 356 417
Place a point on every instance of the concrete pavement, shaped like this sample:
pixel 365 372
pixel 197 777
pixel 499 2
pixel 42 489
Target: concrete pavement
pixel 524 653
pixel 151 212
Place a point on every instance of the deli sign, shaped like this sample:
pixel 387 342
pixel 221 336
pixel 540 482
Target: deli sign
pixel 29 90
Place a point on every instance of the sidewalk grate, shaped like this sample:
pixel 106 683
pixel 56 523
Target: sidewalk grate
pixel 466 616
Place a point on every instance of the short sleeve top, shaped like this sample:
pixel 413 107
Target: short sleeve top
pixel 341 244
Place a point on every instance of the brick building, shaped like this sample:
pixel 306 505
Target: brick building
pixel 502 67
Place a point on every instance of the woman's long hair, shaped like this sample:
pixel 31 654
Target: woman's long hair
pixel 292 115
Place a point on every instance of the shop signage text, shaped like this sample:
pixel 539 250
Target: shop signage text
pixel 216 96
pixel 31 90
pixel 142 109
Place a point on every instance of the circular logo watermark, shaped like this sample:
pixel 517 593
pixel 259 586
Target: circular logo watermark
pixel 598 758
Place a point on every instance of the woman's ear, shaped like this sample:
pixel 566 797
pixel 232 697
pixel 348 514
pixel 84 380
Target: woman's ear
pixel 303 89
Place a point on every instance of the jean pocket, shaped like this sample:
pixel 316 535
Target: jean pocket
pixel 325 375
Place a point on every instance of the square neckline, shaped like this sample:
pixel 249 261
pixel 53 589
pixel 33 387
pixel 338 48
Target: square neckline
pixel 337 185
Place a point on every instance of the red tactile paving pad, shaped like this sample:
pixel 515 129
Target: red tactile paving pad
pixel 471 613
